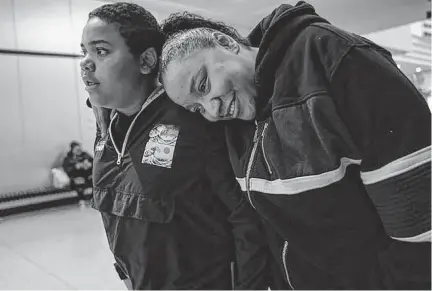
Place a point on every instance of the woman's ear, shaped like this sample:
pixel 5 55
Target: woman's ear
pixel 148 61
pixel 226 41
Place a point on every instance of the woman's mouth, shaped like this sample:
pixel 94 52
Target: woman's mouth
pixel 232 108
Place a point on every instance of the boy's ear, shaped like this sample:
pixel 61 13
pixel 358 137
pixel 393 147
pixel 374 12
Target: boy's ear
pixel 148 61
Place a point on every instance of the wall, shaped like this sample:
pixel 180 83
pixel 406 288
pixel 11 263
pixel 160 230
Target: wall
pixel 42 99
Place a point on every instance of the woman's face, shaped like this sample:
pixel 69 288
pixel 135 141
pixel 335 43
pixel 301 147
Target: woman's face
pixel 216 82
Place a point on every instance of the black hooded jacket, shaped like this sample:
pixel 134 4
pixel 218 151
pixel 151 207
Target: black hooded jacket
pixel 174 216
pixel 339 159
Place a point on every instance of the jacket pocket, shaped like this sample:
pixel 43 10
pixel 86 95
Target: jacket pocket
pixel 132 205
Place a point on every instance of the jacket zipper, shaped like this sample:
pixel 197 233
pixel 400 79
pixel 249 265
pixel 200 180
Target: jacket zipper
pixel 284 254
pixel 250 164
pixel 263 149
pixel 120 154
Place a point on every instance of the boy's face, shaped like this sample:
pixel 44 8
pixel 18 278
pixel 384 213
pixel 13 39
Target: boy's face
pixel 109 71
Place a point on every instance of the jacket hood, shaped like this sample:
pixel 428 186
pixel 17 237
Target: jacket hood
pixel 273 35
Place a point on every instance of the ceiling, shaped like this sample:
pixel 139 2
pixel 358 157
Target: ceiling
pixel 418 59
pixel 354 15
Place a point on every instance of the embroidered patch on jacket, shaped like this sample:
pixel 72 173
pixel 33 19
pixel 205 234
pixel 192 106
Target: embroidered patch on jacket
pixel 100 146
pixel 159 150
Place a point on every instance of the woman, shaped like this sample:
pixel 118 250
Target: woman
pixel 173 214
pixel 341 175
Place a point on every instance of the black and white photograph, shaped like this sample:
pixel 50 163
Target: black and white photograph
pixel 215 145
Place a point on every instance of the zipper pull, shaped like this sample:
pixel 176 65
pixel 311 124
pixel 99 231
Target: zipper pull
pixel 263 149
pixel 119 157
pixel 264 129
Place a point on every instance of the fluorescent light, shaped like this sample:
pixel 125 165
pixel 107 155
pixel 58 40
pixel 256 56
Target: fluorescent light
pixel 418 69
pixel 417 28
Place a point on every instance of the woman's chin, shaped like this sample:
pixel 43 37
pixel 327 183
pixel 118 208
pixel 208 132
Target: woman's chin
pixel 246 114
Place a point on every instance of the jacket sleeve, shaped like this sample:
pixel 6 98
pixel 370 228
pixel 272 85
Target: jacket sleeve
pixel 390 123
pixel 68 166
pixel 251 247
pixel 88 157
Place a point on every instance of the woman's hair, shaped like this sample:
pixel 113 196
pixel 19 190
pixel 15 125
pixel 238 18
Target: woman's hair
pixel 138 27
pixel 186 33
pixel 182 21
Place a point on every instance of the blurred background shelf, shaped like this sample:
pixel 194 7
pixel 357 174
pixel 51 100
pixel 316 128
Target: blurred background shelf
pixel 37 199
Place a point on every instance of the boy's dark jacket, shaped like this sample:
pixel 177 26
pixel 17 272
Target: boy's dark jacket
pixel 175 185
pixel 339 160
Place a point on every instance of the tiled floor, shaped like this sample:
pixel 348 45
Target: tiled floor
pixel 63 249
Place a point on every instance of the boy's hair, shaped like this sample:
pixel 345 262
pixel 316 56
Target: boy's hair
pixel 74 144
pixel 187 32
pixel 138 27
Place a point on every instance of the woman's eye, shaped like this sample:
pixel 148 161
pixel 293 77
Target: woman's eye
pixel 203 85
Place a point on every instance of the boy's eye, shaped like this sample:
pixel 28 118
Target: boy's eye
pixel 101 52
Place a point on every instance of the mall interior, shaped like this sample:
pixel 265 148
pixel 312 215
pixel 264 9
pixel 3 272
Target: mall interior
pixel 49 238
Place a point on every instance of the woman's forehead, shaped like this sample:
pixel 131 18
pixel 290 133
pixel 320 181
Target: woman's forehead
pixel 178 73
pixel 178 80
pixel 183 67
